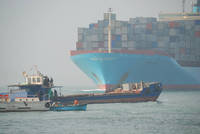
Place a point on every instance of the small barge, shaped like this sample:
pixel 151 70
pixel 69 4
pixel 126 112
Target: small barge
pixel 61 107
pixel 124 93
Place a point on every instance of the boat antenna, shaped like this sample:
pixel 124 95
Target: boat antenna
pixel 109 30
pixel 37 71
pixel 183 6
pixel 192 5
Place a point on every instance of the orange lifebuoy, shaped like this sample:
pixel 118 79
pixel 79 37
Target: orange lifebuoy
pixel 76 102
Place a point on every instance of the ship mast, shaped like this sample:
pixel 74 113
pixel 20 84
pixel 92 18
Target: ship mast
pixel 109 30
pixel 183 6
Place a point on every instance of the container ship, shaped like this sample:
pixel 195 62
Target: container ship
pixel 167 49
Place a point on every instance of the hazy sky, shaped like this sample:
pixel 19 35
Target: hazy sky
pixel 42 33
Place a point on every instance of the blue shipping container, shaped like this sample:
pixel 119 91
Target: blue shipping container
pixel 148 31
pixel 116 44
pixel 18 94
pixel 91 26
pixel 197 22
pixel 118 37
pixel 173 38
pixel 196 9
pixel 181 30
pixel 113 43
pixel 105 23
pixel 154 44
pixel 4 93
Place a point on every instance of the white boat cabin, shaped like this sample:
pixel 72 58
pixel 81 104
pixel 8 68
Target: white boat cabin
pixel 27 99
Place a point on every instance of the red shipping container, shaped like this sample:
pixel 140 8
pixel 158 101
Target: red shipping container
pixel 95 48
pixel 149 26
pixel 197 34
pixel 182 51
pixel 79 45
pixel 173 24
pixel 101 44
pixel 113 37
pixel 133 26
pixel 96 25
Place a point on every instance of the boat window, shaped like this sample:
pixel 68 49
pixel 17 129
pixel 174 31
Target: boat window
pixel 20 99
pixel 38 79
pixel 34 80
pixel 29 80
pixel 32 100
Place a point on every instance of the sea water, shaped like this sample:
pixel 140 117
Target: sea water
pixel 175 112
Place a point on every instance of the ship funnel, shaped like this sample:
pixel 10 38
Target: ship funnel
pixel 198 2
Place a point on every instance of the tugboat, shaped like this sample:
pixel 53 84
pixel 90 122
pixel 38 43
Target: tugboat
pixel 33 95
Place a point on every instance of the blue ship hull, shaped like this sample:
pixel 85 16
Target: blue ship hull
pixel 147 94
pixel 108 69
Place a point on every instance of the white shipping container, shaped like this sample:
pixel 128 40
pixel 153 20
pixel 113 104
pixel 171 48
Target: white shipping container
pixel 80 37
pixel 124 30
pixel 92 37
pixel 166 39
pixel 131 48
pixel 85 44
pixel 161 44
pixel 105 30
pixel 87 38
pixel 100 37
pixel 197 27
pixel 161 26
pixel 106 16
pixel 142 37
pixel 113 23
pixel 105 36
pixel 173 32
pixel 140 26
pixel 188 27
pixel 105 43
pixel 187 45
pixel 125 86
pixel 124 37
pixel 88 46
pixel 116 48
pixel 151 37
pixel 131 43
pixel 141 20
pixel 118 24
pixel 173 45
pixel 187 23
pixel 81 30
pixel 124 44
pixel 118 31
pixel 132 20
pixel 100 23
pixel 94 44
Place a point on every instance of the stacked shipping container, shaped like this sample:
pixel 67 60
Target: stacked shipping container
pixel 180 39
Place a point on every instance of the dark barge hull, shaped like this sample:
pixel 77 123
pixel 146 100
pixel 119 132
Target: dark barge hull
pixel 110 98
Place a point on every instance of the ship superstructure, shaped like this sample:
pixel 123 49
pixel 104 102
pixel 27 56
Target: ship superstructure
pixel 33 95
pixel 36 84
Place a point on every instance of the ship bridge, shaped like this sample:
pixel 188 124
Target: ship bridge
pixel 194 15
